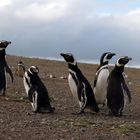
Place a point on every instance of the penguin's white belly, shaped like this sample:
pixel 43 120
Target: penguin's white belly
pixel 73 87
pixel 100 90
pixel 26 86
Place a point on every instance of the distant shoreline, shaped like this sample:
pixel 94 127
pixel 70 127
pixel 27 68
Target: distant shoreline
pixel 137 66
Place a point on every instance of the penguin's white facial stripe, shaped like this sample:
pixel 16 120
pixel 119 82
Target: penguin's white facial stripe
pixel 123 61
pixel 105 58
pixel 118 64
pixel 74 60
pixel 33 70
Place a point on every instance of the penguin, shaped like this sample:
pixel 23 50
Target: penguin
pixel 4 66
pixel 100 80
pixel 117 89
pixel 36 91
pixel 20 70
pixel 79 85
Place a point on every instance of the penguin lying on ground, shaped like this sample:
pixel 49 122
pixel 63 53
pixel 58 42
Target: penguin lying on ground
pixel 100 80
pixel 20 70
pixel 4 66
pixel 79 85
pixel 117 88
pixel 36 91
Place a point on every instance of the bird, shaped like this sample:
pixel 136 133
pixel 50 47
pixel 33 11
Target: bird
pixel 117 88
pixel 36 91
pixel 20 70
pixel 79 85
pixel 100 79
pixel 4 68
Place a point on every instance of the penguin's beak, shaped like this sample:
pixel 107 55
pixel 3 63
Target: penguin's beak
pixel 9 42
pixel 112 54
pixel 127 59
pixel 5 43
pixel 62 54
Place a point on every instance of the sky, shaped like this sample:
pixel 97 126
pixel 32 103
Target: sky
pixel 86 28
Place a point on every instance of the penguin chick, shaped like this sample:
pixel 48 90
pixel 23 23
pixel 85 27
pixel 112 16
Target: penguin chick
pixel 20 70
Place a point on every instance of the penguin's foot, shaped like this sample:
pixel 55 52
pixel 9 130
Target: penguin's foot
pixel 94 109
pixel 114 114
pixel 45 110
pixel 110 113
pixel 3 93
pixel 121 113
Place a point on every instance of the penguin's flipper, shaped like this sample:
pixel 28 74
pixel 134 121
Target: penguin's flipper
pixel 96 77
pixel 127 92
pixel 35 102
pixel 31 92
pixel 95 81
pixel 8 70
pixel 82 97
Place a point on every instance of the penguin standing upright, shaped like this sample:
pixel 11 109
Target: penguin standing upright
pixel 36 91
pixel 4 66
pixel 79 85
pixel 100 80
pixel 20 70
pixel 117 88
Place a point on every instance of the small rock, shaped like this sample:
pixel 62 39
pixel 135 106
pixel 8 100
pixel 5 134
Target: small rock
pixel 52 76
pixel 63 77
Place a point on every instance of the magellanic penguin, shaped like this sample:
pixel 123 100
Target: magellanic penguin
pixel 117 88
pixel 100 80
pixel 4 66
pixel 36 91
pixel 79 85
pixel 20 70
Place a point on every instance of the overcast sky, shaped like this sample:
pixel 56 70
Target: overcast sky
pixel 87 28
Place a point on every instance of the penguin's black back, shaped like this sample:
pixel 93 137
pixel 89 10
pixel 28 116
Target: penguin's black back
pixel 2 74
pixel 2 54
pixel 43 98
pixel 115 97
pixel 82 79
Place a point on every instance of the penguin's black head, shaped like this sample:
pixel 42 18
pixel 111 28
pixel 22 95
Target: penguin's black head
pixel 20 62
pixel 4 44
pixel 106 57
pixel 33 70
pixel 122 61
pixel 69 58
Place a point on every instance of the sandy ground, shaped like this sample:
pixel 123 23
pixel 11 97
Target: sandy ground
pixel 18 122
